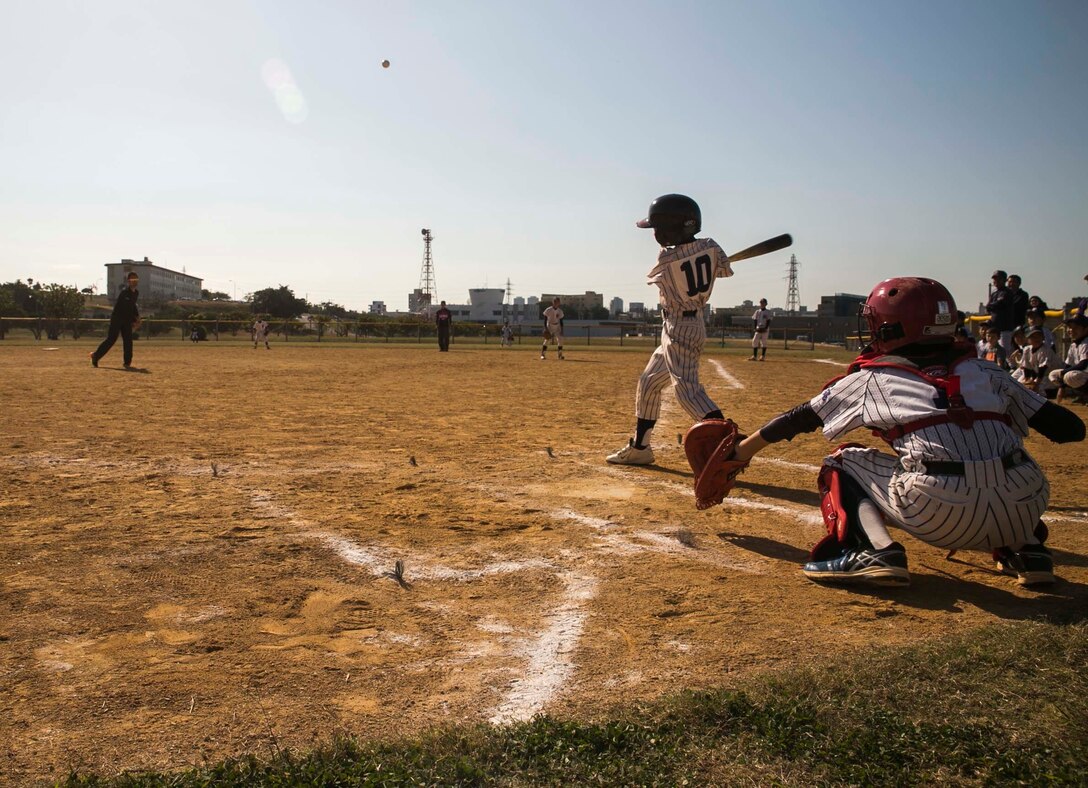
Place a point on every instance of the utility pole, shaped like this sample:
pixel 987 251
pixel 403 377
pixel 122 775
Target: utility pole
pixel 509 302
pixel 793 295
pixel 426 276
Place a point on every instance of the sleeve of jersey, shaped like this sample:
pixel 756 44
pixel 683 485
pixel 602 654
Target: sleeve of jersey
pixel 1023 403
pixel 724 268
pixel 841 406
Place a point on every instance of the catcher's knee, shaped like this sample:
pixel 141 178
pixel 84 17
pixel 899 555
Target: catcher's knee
pixel 840 496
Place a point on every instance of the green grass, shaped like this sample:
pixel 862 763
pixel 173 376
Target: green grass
pixel 998 706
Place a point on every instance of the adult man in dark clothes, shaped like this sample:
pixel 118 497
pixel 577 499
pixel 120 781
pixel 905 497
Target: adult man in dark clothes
pixel 1019 301
pixel 1000 308
pixel 124 320
pixel 443 318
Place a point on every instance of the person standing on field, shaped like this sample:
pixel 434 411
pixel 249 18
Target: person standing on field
pixel 761 320
pixel 260 333
pixel 1000 308
pixel 443 318
pixel 1020 300
pixel 553 328
pixel 123 321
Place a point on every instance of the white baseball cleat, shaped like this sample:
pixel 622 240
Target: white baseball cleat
pixel 632 455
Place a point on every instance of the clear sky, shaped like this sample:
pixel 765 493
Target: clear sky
pixel 259 143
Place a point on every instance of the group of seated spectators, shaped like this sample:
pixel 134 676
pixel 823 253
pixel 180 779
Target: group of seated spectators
pixel 1016 338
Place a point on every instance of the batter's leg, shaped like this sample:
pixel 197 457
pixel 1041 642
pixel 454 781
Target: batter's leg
pixel 651 383
pixel 682 360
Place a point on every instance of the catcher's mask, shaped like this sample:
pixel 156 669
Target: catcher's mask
pixel 675 219
pixel 907 310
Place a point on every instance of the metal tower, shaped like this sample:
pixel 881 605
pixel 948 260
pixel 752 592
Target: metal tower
pixel 427 286
pixel 507 306
pixel 793 295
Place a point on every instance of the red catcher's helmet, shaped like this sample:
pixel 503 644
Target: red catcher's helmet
pixel 908 310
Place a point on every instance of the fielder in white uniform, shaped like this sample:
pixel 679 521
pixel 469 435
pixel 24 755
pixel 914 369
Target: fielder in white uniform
pixel 1072 378
pixel 958 477
pixel 260 333
pixel 761 324
pixel 686 270
pixel 553 328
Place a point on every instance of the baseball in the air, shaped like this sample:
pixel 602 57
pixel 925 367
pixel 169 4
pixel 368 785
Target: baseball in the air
pixel 385 64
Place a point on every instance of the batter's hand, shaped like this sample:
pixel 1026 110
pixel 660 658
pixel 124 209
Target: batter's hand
pixel 711 450
pixel 137 323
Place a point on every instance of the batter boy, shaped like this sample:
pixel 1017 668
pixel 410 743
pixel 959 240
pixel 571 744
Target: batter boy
pixel 686 270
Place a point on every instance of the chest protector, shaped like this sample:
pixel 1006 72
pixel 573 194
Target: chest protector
pixel 944 379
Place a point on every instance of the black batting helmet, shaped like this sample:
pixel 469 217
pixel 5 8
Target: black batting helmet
pixel 675 218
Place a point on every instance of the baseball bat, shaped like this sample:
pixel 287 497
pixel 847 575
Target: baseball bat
pixel 764 247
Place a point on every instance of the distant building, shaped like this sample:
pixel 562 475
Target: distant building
pixel 157 284
pixel 377 308
pixel 615 307
pixel 637 310
pixel 418 301
pixel 583 303
pixel 486 304
pixel 839 305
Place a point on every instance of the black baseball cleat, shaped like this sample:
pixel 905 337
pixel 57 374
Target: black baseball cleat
pixel 1031 565
pixel 887 567
pixel 94 361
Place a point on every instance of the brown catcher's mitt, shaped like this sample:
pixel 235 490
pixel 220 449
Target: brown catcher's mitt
pixel 709 446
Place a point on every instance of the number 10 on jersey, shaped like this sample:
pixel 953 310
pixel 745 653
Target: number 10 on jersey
pixel 698 274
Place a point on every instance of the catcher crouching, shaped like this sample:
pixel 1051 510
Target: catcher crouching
pixel 958 477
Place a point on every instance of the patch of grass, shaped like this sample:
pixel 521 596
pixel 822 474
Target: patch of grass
pixel 1001 705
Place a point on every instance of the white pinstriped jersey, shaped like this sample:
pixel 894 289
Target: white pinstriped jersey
pixel 1042 358
pixel 1078 351
pixel 989 505
pixel 884 398
pixel 552 316
pixel 685 274
pixel 762 319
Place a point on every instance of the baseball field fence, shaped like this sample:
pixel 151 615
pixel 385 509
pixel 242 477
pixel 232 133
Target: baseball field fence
pixel 603 334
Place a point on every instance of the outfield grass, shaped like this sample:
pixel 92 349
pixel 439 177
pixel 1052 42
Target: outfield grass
pixel 997 706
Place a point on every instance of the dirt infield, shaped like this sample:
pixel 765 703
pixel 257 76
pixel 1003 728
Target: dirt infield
pixel 199 560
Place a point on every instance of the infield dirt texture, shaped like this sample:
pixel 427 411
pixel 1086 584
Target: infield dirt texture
pixel 198 561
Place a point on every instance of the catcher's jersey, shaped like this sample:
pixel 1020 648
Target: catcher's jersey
pixel 884 398
pixel 552 316
pixel 685 274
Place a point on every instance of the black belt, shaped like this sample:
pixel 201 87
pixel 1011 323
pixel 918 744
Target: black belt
pixel 688 313
pixel 949 468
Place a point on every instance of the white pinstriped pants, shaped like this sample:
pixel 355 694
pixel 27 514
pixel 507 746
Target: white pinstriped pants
pixel 988 507
pixel 675 361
